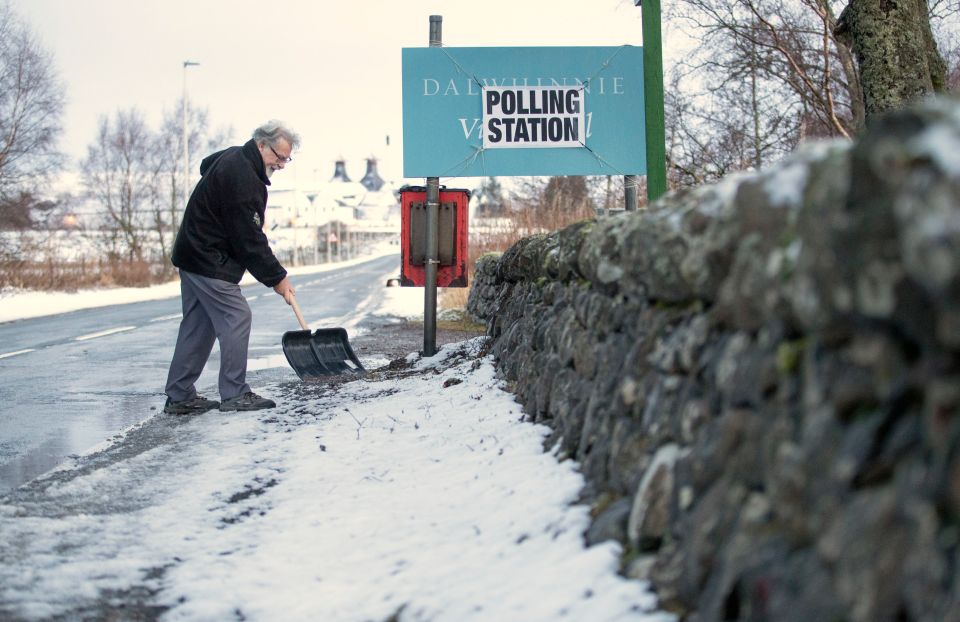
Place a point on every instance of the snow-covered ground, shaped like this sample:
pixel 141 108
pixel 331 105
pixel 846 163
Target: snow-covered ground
pixel 421 494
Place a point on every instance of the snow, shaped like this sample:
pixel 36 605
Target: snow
pixel 19 304
pixel 786 184
pixel 942 144
pixel 410 493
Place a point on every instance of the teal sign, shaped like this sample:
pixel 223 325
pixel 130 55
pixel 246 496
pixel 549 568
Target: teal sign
pixel 479 112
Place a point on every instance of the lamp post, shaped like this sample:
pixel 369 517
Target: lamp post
pixel 186 137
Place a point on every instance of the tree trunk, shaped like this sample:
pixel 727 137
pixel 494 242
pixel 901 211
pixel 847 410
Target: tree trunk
pixel 894 45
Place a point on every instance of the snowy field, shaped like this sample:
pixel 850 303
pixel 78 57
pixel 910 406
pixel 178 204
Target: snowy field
pixel 421 495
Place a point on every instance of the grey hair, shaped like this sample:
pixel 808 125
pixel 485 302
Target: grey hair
pixel 272 131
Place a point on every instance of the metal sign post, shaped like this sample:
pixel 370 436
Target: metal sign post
pixel 630 192
pixel 432 259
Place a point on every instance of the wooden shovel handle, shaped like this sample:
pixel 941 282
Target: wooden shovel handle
pixel 296 309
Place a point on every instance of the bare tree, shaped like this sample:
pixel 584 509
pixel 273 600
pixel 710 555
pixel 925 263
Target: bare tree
pixel 606 191
pixel 121 173
pixel 568 194
pixel 789 70
pixel 550 203
pixel 31 106
pixel 766 75
pixel 738 125
pixel 785 47
pixel 953 77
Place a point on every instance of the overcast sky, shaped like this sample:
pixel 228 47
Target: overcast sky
pixel 331 70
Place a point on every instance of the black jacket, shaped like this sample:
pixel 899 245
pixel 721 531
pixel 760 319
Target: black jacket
pixel 222 230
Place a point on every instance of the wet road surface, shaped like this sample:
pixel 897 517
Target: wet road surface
pixel 71 381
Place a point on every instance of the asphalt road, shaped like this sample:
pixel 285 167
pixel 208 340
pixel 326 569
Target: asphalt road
pixel 85 376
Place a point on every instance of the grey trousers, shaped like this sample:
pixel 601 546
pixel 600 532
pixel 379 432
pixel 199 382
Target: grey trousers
pixel 212 310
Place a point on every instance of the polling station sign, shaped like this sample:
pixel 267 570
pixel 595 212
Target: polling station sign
pixel 475 112
pixel 533 117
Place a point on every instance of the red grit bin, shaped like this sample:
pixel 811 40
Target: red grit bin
pixel 452 236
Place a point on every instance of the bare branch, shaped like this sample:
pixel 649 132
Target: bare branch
pixel 31 106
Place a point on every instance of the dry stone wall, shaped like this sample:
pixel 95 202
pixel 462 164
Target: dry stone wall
pixel 760 379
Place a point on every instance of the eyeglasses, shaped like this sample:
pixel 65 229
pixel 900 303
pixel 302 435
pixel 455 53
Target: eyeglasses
pixel 280 157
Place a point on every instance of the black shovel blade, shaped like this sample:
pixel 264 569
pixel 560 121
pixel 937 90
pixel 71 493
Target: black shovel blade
pixel 323 352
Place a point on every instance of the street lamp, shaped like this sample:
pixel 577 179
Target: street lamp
pixel 186 137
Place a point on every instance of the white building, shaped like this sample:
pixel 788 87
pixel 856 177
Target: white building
pixel 330 218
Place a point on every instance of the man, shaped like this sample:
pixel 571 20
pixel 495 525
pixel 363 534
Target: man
pixel 220 237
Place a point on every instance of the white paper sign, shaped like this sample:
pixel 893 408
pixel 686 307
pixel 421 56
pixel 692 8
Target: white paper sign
pixel 523 117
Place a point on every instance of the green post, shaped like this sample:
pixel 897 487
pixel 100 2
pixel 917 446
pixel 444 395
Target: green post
pixel 653 100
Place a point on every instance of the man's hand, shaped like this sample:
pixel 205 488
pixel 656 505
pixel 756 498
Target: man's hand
pixel 285 289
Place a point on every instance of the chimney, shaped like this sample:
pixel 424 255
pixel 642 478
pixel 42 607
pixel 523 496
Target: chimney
pixel 372 180
pixel 340 171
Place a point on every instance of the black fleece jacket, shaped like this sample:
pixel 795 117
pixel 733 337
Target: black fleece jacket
pixel 222 230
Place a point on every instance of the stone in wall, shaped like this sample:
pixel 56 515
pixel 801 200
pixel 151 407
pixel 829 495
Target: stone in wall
pixel 760 379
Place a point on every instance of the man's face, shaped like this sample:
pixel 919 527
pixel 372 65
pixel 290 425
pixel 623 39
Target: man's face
pixel 275 158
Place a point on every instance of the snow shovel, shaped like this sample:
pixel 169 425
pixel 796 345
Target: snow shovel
pixel 323 352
